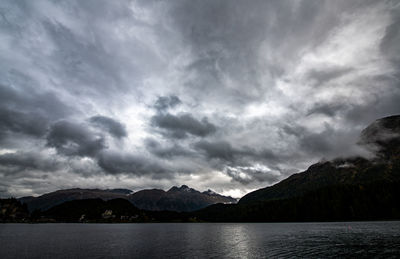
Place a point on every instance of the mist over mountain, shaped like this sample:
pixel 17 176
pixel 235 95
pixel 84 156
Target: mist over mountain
pixel 382 137
pixel 352 188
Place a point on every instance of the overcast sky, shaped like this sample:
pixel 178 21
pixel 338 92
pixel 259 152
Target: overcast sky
pixel 227 95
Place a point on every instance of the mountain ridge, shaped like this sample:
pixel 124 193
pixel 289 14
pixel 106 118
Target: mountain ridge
pixel 176 198
pixel 181 198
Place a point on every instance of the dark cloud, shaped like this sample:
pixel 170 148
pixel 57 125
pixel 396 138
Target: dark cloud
pixel 27 110
pixel 110 125
pixel 166 152
pixel 225 151
pixel 22 161
pixel 20 122
pixel 166 102
pixel 73 139
pixel 118 163
pixel 220 149
pixel 178 126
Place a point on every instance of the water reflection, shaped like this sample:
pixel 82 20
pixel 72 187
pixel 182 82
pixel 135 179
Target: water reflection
pixel 311 240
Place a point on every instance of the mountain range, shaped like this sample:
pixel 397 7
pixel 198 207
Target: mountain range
pixel 181 198
pixel 352 188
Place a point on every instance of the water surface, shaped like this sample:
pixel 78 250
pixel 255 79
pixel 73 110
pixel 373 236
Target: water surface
pixel 201 240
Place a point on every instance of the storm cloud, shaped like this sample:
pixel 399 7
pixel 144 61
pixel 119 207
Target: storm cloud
pixel 112 126
pixel 167 151
pixel 73 139
pixel 227 95
pixel 179 126
pixel 22 161
pixel 117 163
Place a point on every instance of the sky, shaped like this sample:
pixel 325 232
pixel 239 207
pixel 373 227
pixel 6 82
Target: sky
pixel 224 95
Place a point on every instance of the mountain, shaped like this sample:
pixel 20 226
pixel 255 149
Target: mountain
pixel 177 199
pixel 355 171
pixel 52 199
pixel 382 136
pixel 342 189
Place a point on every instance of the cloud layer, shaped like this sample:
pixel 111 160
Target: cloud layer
pixel 228 95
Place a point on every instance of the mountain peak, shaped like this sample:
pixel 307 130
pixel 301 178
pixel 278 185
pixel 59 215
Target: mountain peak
pixel 183 188
pixel 381 129
pixel 383 136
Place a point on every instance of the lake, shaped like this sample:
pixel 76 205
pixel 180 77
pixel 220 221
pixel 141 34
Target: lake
pixel 201 240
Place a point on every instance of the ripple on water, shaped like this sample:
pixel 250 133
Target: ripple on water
pixel 214 240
